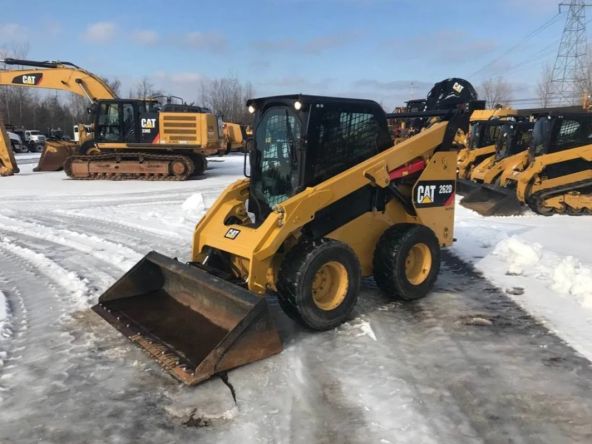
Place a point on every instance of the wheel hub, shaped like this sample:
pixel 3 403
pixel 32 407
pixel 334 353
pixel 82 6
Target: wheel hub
pixel 418 263
pixel 329 286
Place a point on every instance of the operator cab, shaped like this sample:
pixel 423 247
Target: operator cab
pixel 485 132
pixel 514 137
pixel 126 121
pixel 302 140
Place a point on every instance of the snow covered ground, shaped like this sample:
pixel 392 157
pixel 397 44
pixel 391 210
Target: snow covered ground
pixel 465 364
pixel 543 263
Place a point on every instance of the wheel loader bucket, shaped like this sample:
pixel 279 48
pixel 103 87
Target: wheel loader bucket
pixel 55 154
pixel 488 200
pixel 192 323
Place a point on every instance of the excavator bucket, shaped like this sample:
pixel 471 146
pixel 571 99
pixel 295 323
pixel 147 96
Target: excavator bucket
pixel 55 154
pixel 488 200
pixel 192 323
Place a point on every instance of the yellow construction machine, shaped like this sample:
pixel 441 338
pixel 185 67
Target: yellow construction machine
pixel 329 200
pixel 558 176
pixel 235 137
pixel 130 139
pixel 511 153
pixel 554 176
pixel 7 162
pixel 60 76
pixel 480 144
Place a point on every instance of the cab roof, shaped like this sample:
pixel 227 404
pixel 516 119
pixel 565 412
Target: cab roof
pixel 307 99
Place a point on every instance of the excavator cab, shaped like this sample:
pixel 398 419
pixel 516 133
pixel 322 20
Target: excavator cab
pixel 126 121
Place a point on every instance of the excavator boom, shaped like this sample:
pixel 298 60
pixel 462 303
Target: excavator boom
pixel 57 75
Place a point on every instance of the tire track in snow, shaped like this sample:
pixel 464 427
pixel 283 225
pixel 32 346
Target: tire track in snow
pixel 38 343
pixel 133 237
pixel 114 253
pixel 75 286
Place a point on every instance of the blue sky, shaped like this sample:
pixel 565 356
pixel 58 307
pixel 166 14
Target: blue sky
pixel 387 50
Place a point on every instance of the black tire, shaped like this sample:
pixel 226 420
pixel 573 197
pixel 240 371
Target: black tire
pixel 36 148
pixel 201 164
pixel 391 256
pixel 305 264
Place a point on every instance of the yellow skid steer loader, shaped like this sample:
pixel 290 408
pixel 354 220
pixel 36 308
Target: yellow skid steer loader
pixel 329 200
pixel 490 197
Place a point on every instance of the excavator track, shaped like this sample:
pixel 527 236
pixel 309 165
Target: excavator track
pixel 130 166
pixel 538 202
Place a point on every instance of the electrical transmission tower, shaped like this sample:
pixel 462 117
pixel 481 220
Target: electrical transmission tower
pixel 569 77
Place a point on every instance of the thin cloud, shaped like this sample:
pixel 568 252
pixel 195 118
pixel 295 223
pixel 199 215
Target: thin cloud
pixel 443 47
pixel 207 41
pixel 315 46
pixel 145 37
pixel 100 32
pixel 12 31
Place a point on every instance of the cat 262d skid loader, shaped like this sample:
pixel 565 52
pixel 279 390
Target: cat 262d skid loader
pixel 329 200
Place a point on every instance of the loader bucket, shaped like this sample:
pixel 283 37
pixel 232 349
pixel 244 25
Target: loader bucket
pixel 55 154
pixel 488 200
pixel 192 323
pixel 465 187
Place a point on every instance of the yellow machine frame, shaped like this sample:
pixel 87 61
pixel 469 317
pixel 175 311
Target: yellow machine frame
pixel 256 252
pixel 531 181
pixel 7 161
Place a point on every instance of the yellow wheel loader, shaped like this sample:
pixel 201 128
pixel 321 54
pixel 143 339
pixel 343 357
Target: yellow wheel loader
pixel 329 200
pixel 511 152
pixel 7 161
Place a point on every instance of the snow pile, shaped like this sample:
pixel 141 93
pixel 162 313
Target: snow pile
pixel 193 208
pixel 570 277
pixel 565 275
pixel 519 255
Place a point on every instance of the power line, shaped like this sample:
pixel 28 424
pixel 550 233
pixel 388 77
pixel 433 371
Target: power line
pixel 523 40
pixel 568 69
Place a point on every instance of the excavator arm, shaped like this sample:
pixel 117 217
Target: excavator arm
pixel 56 75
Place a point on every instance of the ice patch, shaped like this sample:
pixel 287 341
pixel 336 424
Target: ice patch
pixel 518 254
pixel 193 208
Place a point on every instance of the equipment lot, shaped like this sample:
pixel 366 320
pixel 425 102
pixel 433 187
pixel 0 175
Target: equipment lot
pixel 464 364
